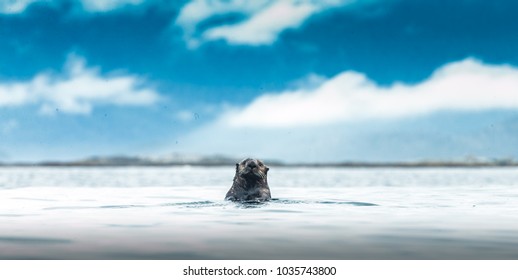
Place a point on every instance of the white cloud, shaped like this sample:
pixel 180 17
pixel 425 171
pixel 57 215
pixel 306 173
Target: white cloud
pixel 197 11
pixel 14 6
pixel 77 90
pixel 350 96
pixel 264 19
pixel 92 6
pixel 107 5
pixel 261 28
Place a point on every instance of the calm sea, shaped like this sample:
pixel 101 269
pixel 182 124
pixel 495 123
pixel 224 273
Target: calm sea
pixel 318 213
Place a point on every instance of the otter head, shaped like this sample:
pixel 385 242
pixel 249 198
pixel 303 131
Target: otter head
pixel 250 183
pixel 251 169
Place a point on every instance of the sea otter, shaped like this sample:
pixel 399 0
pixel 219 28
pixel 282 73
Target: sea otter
pixel 250 182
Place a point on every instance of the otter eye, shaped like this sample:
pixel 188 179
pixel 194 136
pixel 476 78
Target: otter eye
pixel 260 164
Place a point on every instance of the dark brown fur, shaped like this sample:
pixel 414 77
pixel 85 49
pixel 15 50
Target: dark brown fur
pixel 250 182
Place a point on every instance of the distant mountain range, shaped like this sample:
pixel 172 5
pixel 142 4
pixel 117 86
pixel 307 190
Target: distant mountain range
pixel 219 160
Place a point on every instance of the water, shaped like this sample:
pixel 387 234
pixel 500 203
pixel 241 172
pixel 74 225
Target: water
pixel 317 213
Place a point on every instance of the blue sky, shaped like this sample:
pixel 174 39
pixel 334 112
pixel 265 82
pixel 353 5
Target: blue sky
pixel 331 80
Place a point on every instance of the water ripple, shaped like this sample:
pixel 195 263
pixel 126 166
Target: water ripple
pixel 193 204
pixel 122 206
pixel 33 240
pixel 354 203
pixel 209 204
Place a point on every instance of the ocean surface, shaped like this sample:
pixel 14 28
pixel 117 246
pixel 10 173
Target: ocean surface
pixel 317 213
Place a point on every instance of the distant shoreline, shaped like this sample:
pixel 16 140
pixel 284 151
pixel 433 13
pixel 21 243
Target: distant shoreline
pixel 294 165
pixel 219 160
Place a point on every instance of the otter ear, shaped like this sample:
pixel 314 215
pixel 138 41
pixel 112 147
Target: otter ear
pixel 237 167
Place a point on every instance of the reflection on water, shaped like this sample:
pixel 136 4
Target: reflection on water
pixel 319 213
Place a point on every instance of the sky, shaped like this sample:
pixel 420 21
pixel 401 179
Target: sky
pixel 290 80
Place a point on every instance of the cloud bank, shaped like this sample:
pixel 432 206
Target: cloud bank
pixel 264 19
pixel 467 85
pixel 454 113
pixel 77 90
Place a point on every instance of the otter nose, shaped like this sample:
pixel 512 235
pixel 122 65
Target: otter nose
pixel 252 164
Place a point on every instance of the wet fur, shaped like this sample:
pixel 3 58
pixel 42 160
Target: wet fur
pixel 250 182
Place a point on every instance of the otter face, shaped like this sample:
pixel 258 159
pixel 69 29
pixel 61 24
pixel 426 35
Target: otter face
pixel 250 182
pixel 251 169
